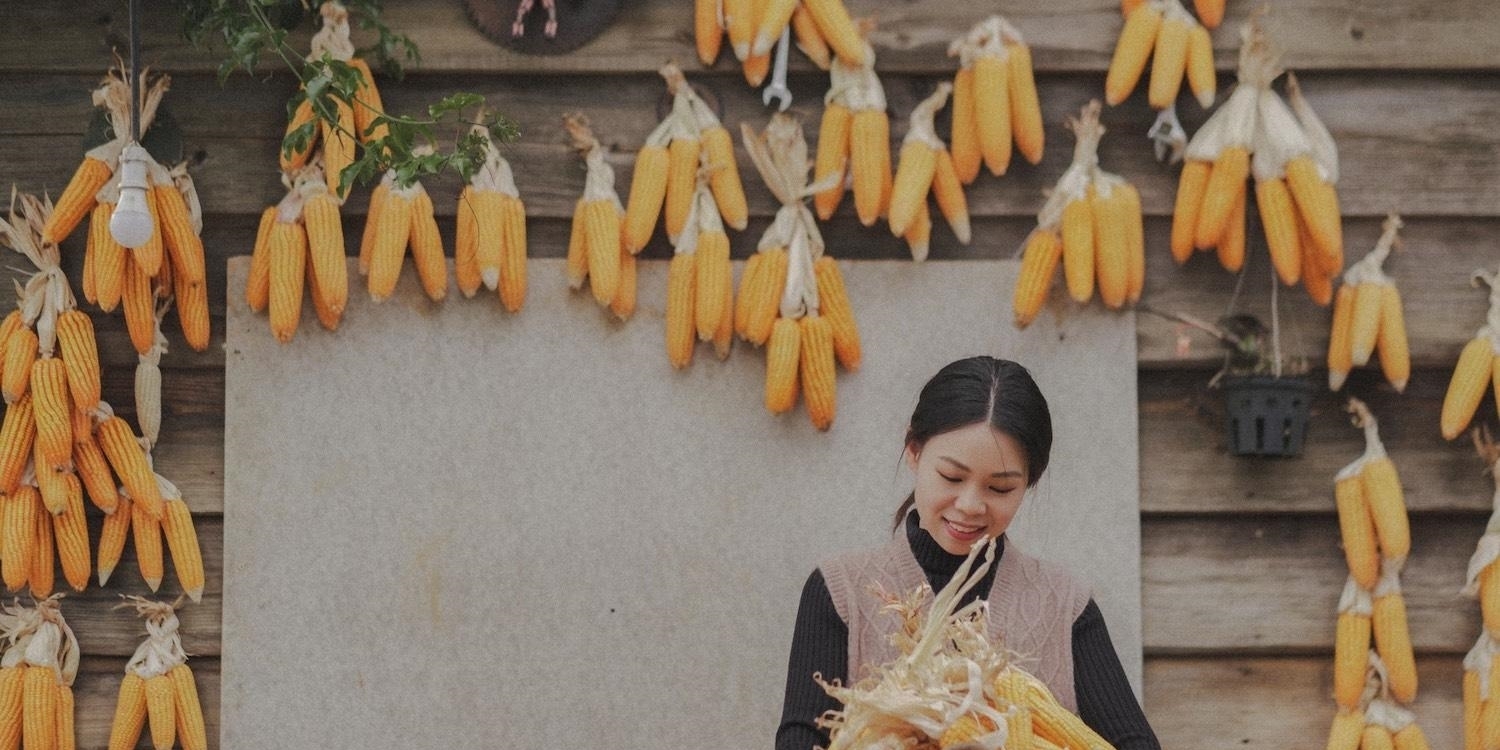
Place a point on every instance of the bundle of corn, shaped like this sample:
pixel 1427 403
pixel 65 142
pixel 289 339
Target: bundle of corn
pixel 158 686
pixel 401 216
pixel 1481 711
pixel 1481 694
pixel 112 272
pixel 36 677
pixel 1295 169
pixel 596 247
pixel 822 28
pixel 700 285
pixel 926 165
pixel 1092 222
pixel 1478 366
pixel 1367 316
pixel 1182 48
pixel 994 100
pixel 854 140
pixel 490 245
pixel 951 687
pixel 300 236
pixel 792 294
pixel 1483 580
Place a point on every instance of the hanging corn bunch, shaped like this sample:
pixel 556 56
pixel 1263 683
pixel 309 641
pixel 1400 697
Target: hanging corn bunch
pixel 1367 318
pixel 854 140
pixel 36 677
pixel 1478 367
pixel 490 245
pixel 792 296
pixel 596 248
pixel 299 237
pixel 1177 44
pixel 994 100
pixel 1481 709
pixel 915 700
pixel 158 688
pixel 927 166
pixel 822 28
pixel 1481 694
pixel 1295 167
pixel 700 286
pixel 1483 580
pixel 401 216
pixel 1092 223
pixel 1383 500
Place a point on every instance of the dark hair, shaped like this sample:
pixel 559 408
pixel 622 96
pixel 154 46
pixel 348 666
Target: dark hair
pixel 984 390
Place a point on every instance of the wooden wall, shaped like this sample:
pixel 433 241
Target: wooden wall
pixel 1242 567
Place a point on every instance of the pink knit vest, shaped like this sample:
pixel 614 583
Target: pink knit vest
pixel 1032 606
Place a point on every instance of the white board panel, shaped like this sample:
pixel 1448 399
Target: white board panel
pixel 445 521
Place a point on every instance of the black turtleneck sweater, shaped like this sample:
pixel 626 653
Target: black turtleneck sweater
pixel 820 643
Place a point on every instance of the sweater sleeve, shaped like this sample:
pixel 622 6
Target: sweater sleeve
pixel 1105 700
pixel 820 645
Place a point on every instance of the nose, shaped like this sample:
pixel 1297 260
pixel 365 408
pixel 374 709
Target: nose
pixel 969 500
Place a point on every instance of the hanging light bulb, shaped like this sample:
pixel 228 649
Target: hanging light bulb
pixel 131 223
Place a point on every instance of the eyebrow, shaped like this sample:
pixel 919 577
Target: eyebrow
pixel 998 474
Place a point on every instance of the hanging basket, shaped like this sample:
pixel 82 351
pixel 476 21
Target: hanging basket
pixel 1266 416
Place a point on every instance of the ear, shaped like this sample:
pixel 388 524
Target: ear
pixel 912 454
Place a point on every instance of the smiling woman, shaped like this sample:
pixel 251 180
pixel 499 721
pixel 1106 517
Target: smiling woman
pixel 980 436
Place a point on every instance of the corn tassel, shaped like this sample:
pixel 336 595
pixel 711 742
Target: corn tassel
pixel 1190 190
pixel 682 177
pixel 1348 727
pixel 392 234
pixel 39 716
pixel 949 192
pixel 1169 62
pixel 602 232
pixel 833 300
pixel 782 354
pixel 427 248
pixel 1201 76
pixel 19 534
pixel 992 111
pixel 71 532
pixel 20 358
pixel 870 163
pixel 1224 191
pixel 1366 327
pixel 833 20
pixel 1466 388
pixel 1025 109
pixel 1279 219
pixel 681 292
pixel 161 709
pixel 112 538
pixel 1078 248
pixel 513 254
pixel 146 533
pixel 17 438
pixel 724 176
pixel 1318 204
pixel 714 274
pixel 964 138
pixel 832 156
pixel 1393 643
pixel 648 188
pixel 258 281
pixel 1339 361
pixel 130 713
pixel 1395 357
pixel 1038 265
pixel 1131 51
pixel 77 199
pixel 325 245
pixel 1231 248
pixel 1351 658
pixel 913 179
pixel 187 710
pixel 54 424
pixel 819 386
pixel 465 245
pixel 12 704
pixel 1111 246
pixel 182 542
pixel 129 462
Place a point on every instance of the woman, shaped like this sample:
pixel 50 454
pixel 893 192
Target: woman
pixel 979 437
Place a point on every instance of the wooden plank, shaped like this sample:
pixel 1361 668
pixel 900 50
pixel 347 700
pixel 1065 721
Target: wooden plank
pixel 912 36
pixel 98 687
pixel 1270 585
pixel 1271 703
pixel 1387 159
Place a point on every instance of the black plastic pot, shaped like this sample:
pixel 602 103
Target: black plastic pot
pixel 1267 416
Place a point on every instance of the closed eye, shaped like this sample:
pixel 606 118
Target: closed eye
pixel 950 480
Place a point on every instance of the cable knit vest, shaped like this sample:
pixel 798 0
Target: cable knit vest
pixel 1032 606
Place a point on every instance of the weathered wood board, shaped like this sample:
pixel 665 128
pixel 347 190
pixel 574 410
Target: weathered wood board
pixel 532 517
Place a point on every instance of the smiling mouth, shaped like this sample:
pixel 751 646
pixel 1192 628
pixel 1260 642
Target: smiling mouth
pixel 962 530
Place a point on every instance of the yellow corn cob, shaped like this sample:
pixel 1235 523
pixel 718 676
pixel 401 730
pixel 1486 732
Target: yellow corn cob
pixel 1376 737
pixel 1019 734
pixel 1231 247
pixel 1489 597
pixel 949 192
pixel 681 292
pixel 39 715
pixel 755 68
pixel 161 708
pixel 188 711
pixel 967 728
pixel 623 305
pixel 258 282
pixel 739 22
pixel 1488 722
pixel 1038 265
pixel 578 256
pixel 389 248
pixel 294 160
pixel 724 334
pixel 1279 219
pixel 1471 710
pixel 90 256
pixel 913 178
pixel 1357 529
pixel 1224 190
pixel 1366 326
pixel 819 387
pixel 149 256
pixel 1051 721
pixel 20 357
pixel 707 34
pixel 372 225
pixel 1351 656
pixel 870 163
pixel 109 265
pixel 1025 110
pixel 1210 12
pixel 146 533
pixel 129 462
pixel 80 355
pixel 992 111
pixel 1387 507
pixel 1078 248
pixel 77 199
pixel 838 29
pixel 67 738
pixel 1466 388
pixel 1317 281
pixel 682 177
pixel 71 532
pixel 964 138
pixel 765 298
pixel 327 316
pixel 1393 643
pixel 182 541
pixel 1131 51
pixel 489 239
pixel 465 244
pixel 602 229
pixel 52 487
pixel 810 39
pixel 1410 738
pixel 92 467
pixel 724 176
pixel 1190 189
pixel 919 235
pixel 782 353
pixel 54 424
pixel 184 246
pixel 12 703
pixel 834 305
pixel 748 282
pixel 1318 203
pixel 112 539
pixel 1339 337
pixel 513 254
pixel 17 436
pixel 774 18
pixel 648 188
pixel 713 273
pixel 1347 728
pixel 427 248
pixel 1111 247
pixel 325 245
pixel 1135 240
pixel 139 300
pixel 8 327
pixel 19 535
pixel 1169 62
pixel 1201 76
pixel 130 713
pixel 338 147
pixel 832 156
pixel 288 260
pixel 367 104
pixel 43 557
pixel 1395 358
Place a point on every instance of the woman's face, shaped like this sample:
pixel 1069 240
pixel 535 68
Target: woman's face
pixel 969 484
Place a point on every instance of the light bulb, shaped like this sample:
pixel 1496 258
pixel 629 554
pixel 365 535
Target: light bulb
pixel 131 223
